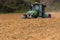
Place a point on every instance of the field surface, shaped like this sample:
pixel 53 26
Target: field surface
pixel 12 27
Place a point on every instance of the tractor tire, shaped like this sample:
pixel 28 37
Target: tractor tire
pixel 34 16
pixel 29 16
pixel 49 16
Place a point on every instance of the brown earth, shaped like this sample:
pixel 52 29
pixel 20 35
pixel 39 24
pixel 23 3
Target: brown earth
pixel 12 27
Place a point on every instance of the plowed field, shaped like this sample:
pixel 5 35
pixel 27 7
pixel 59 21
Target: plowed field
pixel 12 27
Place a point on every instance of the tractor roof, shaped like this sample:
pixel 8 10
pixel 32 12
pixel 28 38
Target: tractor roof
pixel 36 3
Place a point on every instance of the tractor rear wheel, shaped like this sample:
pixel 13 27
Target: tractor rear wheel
pixel 49 16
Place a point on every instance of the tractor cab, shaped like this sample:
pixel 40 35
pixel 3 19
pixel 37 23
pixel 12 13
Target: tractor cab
pixel 36 7
pixel 40 8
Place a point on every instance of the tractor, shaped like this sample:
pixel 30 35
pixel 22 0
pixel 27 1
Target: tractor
pixel 37 10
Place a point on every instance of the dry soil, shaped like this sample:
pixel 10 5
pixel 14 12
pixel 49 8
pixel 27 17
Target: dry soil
pixel 12 27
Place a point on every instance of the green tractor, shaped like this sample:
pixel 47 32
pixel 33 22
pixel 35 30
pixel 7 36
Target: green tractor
pixel 38 10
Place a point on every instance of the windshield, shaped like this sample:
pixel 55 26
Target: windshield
pixel 36 7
